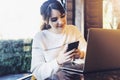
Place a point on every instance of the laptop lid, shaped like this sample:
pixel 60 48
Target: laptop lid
pixel 103 50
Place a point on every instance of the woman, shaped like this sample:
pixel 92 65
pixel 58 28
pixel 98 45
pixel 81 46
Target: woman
pixel 50 44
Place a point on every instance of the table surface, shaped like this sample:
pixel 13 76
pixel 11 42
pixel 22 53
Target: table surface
pixel 105 75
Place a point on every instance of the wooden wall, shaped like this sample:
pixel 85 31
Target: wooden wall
pixel 70 4
pixel 92 14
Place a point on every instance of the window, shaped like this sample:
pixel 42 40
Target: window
pixel 111 14
pixel 19 18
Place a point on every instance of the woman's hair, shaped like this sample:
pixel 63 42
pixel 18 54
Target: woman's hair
pixel 46 9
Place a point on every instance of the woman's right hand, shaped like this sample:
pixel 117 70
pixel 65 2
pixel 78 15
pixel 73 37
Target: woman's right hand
pixel 65 56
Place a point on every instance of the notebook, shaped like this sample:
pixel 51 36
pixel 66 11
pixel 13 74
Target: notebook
pixel 103 52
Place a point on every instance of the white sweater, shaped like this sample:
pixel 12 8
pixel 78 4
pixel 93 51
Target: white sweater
pixel 47 45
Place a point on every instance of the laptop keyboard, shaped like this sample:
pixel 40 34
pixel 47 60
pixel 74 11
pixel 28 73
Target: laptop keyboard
pixel 73 66
pixel 105 75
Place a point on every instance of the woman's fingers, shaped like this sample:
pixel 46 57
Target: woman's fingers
pixel 82 55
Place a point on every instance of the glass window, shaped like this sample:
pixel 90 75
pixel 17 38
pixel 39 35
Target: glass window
pixel 19 18
pixel 111 14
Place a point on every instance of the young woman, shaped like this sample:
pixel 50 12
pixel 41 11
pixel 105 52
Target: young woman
pixel 50 44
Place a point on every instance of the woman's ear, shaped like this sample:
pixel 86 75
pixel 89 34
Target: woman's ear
pixel 47 21
pixel 47 24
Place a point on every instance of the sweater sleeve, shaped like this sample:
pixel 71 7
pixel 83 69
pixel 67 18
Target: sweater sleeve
pixel 82 44
pixel 39 67
pixel 74 31
pixel 80 37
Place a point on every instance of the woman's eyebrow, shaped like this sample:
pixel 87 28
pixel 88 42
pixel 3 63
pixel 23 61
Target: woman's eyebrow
pixel 53 17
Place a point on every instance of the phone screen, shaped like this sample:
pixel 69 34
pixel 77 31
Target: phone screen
pixel 73 45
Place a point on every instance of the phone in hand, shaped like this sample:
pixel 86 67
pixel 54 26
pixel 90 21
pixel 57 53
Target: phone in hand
pixel 73 45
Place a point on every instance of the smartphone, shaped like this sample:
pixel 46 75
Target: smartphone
pixel 73 45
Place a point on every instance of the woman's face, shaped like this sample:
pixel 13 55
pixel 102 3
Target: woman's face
pixel 57 21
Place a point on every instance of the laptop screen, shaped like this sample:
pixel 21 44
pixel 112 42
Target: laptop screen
pixel 103 50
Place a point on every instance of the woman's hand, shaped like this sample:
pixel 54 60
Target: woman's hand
pixel 68 56
pixel 65 56
pixel 78 54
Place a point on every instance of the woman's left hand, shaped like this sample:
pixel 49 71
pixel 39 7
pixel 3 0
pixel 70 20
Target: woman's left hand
pixel 78 54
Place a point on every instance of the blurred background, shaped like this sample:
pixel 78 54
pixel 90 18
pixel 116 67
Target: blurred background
pixel 20 20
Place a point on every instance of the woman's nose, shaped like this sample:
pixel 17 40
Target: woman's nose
pixel 60 21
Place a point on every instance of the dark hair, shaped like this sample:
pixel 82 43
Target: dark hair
pixel 46 8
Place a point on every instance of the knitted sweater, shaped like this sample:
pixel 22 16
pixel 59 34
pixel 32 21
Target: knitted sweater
pixel 47 45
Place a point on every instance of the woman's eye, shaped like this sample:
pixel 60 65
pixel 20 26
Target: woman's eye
pixel 54 19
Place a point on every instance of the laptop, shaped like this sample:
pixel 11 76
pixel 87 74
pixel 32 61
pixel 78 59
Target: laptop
pixel 103 52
